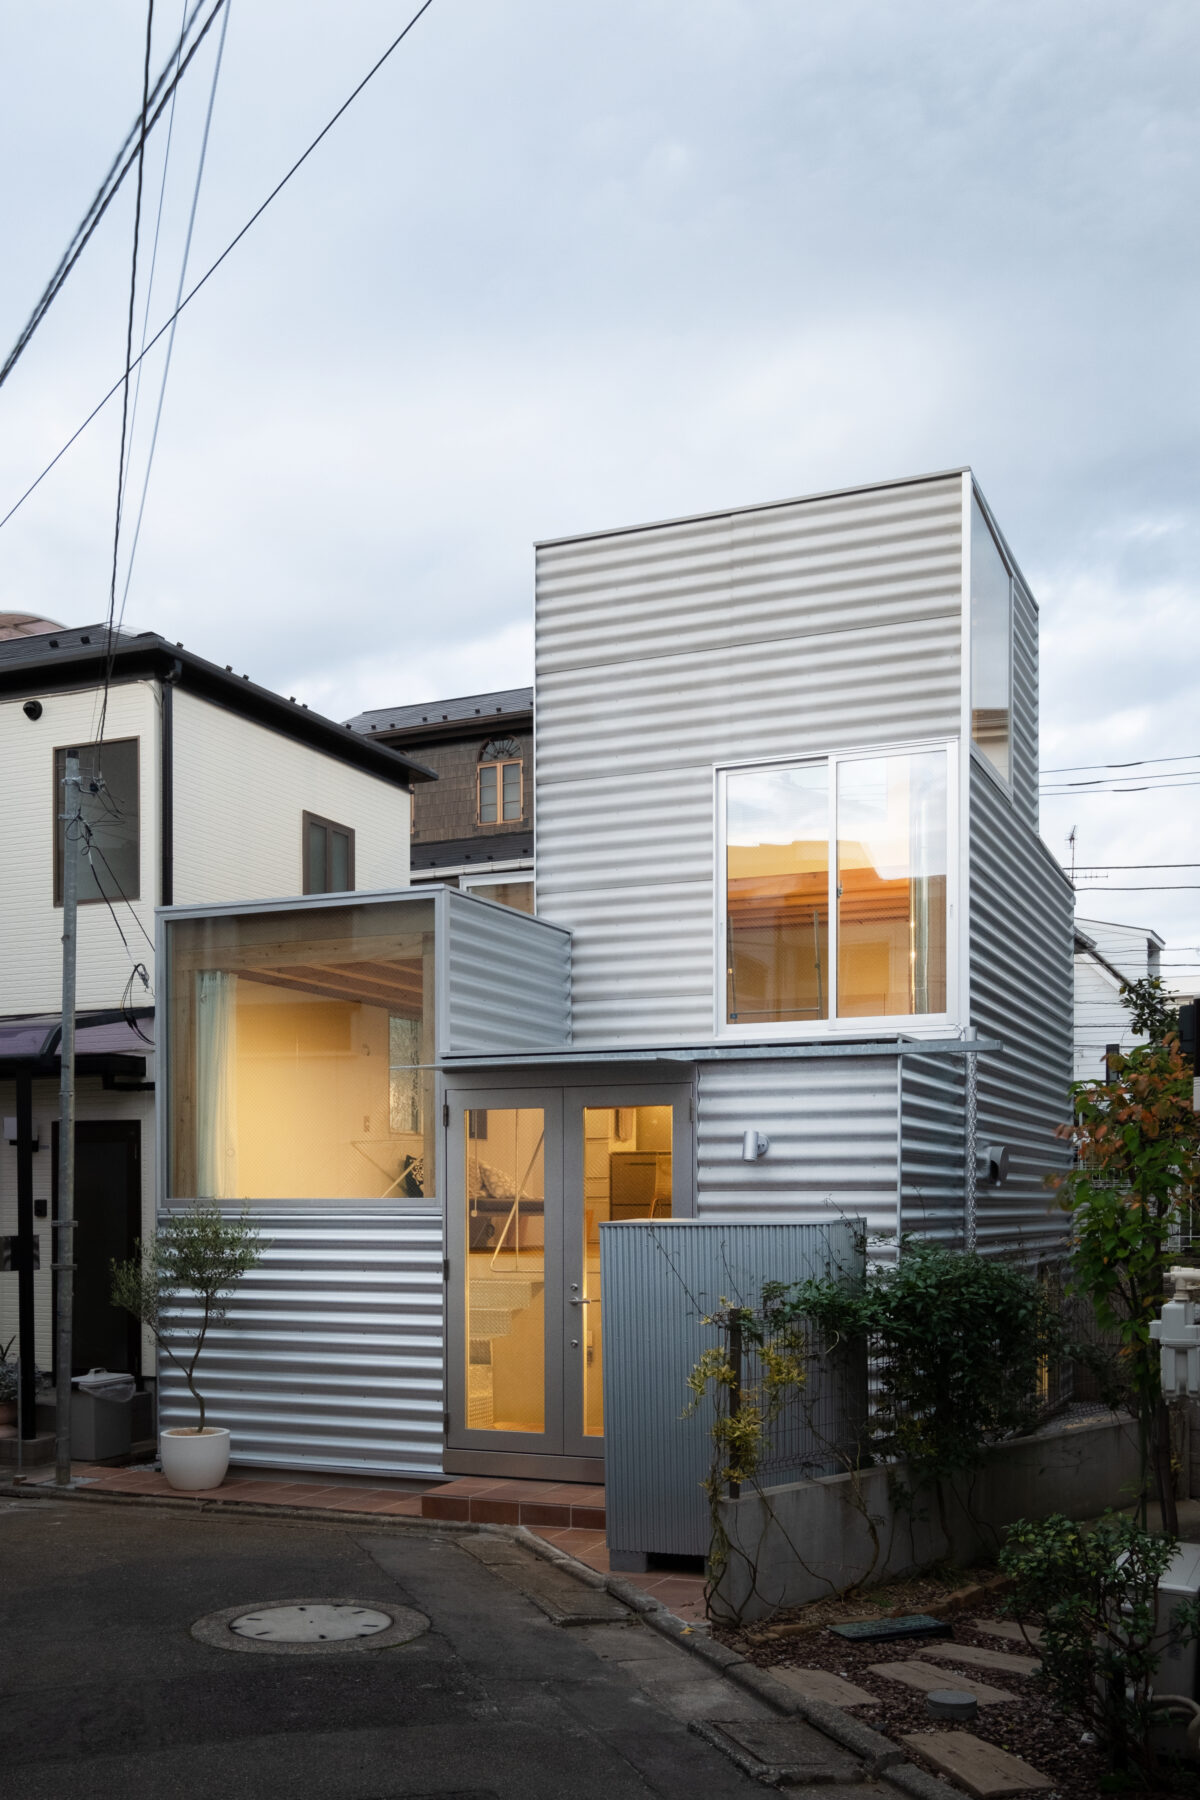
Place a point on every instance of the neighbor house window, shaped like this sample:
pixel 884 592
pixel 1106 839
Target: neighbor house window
pixel 328 856
pixel 991 646
pixel 106 834
pixel 500 796
pixel 835 889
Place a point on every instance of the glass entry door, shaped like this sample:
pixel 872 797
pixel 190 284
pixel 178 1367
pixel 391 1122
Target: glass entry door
pixel 532 1176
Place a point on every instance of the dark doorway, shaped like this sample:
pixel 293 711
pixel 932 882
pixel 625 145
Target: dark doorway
pixel 108 1208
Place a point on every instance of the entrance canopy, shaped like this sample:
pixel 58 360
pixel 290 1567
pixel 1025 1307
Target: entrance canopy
pixel 106 1043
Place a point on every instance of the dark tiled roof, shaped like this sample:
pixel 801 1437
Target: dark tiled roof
pixel 465 710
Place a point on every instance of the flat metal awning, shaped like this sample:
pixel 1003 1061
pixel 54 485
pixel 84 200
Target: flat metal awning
pixel 671 1055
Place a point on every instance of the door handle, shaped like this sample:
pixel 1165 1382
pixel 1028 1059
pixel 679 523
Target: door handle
pixel 581 1303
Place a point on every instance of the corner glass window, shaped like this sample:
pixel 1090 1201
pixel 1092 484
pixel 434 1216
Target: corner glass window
pixel 301 1046
pixel 106 837
pixel 836 889
pixel 991 647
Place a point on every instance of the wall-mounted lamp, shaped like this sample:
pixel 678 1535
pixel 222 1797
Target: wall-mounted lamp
pixel 32 709
pixel 10 1132
pixel 755 1144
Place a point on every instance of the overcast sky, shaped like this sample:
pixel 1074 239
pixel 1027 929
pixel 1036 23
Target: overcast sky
pixel 569 265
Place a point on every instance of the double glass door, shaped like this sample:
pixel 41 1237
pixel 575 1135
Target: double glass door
pixel 532 1175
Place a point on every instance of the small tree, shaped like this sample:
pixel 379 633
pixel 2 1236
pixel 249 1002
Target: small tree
pixel 198 1257
pixel 1094 1592
pixel 1137 1142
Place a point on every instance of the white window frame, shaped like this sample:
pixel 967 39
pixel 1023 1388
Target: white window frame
pixel 914 1025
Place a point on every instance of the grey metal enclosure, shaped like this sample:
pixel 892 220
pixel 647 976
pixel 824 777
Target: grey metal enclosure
pixel 661 1281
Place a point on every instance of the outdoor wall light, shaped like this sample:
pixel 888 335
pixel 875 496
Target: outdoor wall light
pixel 32 709
pixel 755 1144
pixel 993 1164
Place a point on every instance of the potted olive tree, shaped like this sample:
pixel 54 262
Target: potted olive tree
pixel 179 1287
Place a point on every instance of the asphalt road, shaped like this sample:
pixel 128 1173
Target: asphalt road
pixel 106 1695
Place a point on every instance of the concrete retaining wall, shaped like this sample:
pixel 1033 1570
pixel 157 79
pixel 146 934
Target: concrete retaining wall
pixel 791 1544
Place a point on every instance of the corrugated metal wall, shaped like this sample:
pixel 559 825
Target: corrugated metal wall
pixel 661 1280
pixel 664 650
pixel 1021 993
pixel 932 1116
pixel 331 1354
pixel 1025 706
pixel 834 1131
pixel 508 980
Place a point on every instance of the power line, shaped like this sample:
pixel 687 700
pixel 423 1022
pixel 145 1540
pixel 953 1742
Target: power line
pixel 232 245
pixel 137 228
pixel 1148 787
pixel 1090 868
pixel 212 95
pixel 1165 778
pixel 1140 762
pixel 108 188
pixel 1148 887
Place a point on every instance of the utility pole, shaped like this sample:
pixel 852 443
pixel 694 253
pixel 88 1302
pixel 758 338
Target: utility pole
pixel 64 1224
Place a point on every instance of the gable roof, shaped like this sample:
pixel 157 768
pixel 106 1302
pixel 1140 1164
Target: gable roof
pixel 79 658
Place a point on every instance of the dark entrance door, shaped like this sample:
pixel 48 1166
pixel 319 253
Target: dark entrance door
pixel 108 1208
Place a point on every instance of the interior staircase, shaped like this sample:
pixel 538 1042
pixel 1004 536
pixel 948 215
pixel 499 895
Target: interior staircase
pixel 495 1297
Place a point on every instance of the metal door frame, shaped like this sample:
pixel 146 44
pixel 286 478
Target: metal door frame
pixel 562 1451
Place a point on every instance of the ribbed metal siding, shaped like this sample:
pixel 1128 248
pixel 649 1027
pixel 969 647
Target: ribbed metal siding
pixel 508 980
pixel 1021 993
pixel 660 1281
pixel 330 1357
pixel 771 632
pixel 932 1134
pixel 834 1131
pixel 1025 706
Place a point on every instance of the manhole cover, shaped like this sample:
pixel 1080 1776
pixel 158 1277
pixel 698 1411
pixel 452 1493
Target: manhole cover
pixel 310 1624
pixel 310 1627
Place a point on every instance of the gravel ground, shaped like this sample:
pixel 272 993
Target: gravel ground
pixel 1030 1726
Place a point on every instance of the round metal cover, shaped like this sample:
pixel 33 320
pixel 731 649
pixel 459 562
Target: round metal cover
pixel 951 1703
pixel 310 1624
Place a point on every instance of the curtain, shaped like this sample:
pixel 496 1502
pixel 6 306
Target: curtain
pixel 216 1093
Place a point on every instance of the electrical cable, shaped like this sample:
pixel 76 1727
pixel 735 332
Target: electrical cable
pixel 162 392
pixel 1141 762
pixel 107 190
pixel 213 267
pixel 137 227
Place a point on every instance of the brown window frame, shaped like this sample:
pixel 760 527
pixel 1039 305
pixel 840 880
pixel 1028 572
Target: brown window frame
pixel 56 791
pixel 328 825
pixel 499 764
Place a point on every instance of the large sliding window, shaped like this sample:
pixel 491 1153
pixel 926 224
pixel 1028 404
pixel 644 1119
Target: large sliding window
pixel 835 902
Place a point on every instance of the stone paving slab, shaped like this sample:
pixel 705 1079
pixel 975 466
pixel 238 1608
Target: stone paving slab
pixel 1008 1628
pixel 1002 1660
pixel 823 1684
pixel 778 1750
pixel 928 1680
pixel 985 1771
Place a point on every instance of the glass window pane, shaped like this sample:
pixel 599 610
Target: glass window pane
pixel 487 794
pixel 316 875
pixel 891 823
pixel 991 650
pixel 300 1047
pixel 627 1174
pixel 506 1269
pixel 777 895
pixel 339 873
pixel 512 790
pixel 108 845
pixel 516 893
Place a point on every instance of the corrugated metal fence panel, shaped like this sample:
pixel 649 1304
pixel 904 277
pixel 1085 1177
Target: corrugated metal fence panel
pixel 834 1131
pixel 932 1136
pixel 1021 993
pixel 508 979
pixel 771 632
pixel 661 1280
pixel 330 1356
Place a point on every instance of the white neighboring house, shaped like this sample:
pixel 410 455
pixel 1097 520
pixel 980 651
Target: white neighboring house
pixel 1106 958
pixel 210 788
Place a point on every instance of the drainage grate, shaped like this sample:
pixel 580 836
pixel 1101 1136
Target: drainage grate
pixel 310 1624
pixel 310 1627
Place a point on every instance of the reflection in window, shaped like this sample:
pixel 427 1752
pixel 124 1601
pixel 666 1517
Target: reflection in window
pixel 301 1046
pixel 991 645
pixel 891 937
pixel 777 906
pixel 506 1268
pixel 517 893
pixel 108 854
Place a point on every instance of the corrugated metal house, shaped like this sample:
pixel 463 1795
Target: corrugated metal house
pixel 804 956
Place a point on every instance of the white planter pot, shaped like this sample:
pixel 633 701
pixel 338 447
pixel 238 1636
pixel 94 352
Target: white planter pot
pixel 191 1459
